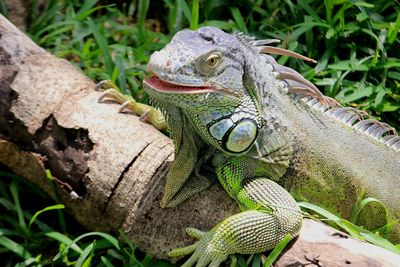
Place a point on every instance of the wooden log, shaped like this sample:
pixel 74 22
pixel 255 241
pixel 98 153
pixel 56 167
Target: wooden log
pixel 109 167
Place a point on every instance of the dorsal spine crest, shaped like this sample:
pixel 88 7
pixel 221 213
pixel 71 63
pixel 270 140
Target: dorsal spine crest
pixel 295 84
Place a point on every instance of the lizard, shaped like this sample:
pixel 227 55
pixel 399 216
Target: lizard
pixel 270 137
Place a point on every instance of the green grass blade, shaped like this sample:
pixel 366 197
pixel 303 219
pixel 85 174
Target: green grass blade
pixel 394 30
pixel 174 17
pixel 371 237
pixel 237 17
pixel 194 22
pixel 102 42
pixel 117 255
pixel 256 260
pixel 362 4
pixel 352 229
pixel 18 209
pixel 114 75
pixel 46 16
pixel 147 261
pixel 113 241
pixel 86 14
pixel 185 9
pixel 60 213
pixel 126 239
pixel 8 232
pixel 7 204
pixel 86 256
pixel 304 27
pixel 55 33
pixel 362 91
pixel 54 207
pixel 85 8
pixel 51 27
pixel 141 20
pixel 234 260
pixel 29 262
pixel 15 247
pixel 119 64
pixel 309 10
pixel 106 262
pixel 277 251
pixel 65 240
pixel 379 43
pixel 328 10
pixel 223 25
pixel 4 8
pixel 241 261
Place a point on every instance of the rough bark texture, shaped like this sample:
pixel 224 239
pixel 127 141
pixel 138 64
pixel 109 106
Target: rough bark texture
pixel 50 118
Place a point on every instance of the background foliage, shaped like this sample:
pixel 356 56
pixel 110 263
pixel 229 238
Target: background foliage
pixel 356 44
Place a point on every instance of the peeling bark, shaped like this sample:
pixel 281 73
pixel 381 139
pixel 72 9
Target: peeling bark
pixel 50 118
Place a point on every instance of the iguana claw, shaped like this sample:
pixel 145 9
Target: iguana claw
pixel 204 251
pixel 147 113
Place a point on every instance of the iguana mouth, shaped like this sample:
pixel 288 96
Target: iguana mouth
pixel 157 84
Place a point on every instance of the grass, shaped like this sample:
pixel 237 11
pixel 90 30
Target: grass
pixel 356 44
pixel 33 233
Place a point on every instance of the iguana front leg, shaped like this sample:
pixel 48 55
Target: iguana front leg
pixel 147 113
pixel 269 214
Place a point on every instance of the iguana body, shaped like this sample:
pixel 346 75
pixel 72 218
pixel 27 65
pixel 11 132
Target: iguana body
pixel 238 116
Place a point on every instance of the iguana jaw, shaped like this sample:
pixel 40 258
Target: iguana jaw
pixel 157 84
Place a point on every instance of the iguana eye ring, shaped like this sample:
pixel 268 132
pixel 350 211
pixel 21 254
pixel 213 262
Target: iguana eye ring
pixel 213 60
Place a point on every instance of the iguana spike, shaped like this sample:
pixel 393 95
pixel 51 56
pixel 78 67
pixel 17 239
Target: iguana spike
pixel 397 148
pixel 316 104
pixel 305 92
pixel 298 85
pixel 363 125
pixel 378 133
pixel 283 52
pixel 372 129
pixel 361 122
pixel 338 111
pixel 381 128
pixel 266 42
pixel 391 140
pixel 308 89
pixel 345 116
pixel 270 59
pixel 333 102
pixel 369 125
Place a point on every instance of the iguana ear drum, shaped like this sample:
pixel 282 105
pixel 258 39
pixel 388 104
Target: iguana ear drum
pixel 235 137
pixel 241 136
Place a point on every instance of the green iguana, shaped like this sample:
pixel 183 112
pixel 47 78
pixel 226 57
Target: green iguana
pixel 269 136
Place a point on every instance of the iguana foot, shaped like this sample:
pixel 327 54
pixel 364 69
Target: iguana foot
pixel 248 232
pixel 204 252
pixel 147 113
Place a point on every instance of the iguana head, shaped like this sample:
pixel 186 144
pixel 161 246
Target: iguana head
pixel 203 73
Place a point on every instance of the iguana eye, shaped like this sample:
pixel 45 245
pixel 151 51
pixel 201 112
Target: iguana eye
pixel 213 61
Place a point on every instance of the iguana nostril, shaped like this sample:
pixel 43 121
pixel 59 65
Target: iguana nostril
pixel 169 63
